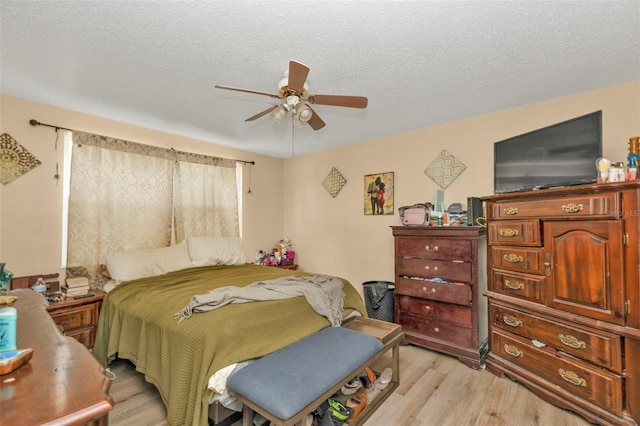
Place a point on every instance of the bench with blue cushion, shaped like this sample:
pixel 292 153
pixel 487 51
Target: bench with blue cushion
pixel 290 383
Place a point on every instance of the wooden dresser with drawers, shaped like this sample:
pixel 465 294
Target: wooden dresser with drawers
pixel 440 276
pixel 564 296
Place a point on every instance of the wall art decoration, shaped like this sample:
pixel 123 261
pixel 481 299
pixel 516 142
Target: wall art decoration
pixel 444 169
pixel 334 182
pixel 378 193
pixel 15 160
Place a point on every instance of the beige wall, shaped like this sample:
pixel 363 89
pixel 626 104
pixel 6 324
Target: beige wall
pixel 30 206
pixel 332 235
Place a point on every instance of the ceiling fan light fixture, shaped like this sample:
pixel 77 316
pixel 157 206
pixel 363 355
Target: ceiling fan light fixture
pixel 296 121
pixel 280 113
pixel 292 101
pixel 303 112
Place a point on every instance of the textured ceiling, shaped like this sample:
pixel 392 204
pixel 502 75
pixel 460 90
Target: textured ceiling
pixel 420 63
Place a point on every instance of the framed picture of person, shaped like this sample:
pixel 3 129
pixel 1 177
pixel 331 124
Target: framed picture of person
pixel 378 193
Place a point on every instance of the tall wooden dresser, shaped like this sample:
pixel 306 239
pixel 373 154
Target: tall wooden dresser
pixel 440 275
pixel 564 304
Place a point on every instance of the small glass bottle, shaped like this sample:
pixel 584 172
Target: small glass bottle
pixel 40 286
pixel 633 158
pixel 616 172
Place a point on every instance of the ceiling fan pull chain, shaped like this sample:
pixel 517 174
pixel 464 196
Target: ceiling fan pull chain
pixel 293 129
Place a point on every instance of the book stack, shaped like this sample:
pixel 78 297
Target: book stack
pixel 76 286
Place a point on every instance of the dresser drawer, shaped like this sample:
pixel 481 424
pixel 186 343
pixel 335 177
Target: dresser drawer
pixel 86 336
pixel 458 293
pixel 434 248
pixel 435 329
pixel 430 309
pixel 517 259
pixel 595 206
pixel 76 317
pixel 601 348
pixel 431 268
pixel 522 286
pixel 515 232
pixel 593 384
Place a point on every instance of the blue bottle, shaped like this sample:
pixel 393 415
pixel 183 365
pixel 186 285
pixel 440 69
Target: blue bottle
pixel 8 320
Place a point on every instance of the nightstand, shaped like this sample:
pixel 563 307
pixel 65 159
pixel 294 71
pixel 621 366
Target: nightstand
pixel 78 318
pixel 292 267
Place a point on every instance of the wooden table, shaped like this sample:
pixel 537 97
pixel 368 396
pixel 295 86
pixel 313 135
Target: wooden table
pixel 63 384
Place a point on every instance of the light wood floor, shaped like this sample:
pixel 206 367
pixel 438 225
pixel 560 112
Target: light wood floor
pixel 435 389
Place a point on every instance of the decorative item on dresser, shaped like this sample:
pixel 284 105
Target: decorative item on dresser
pixel 564 298
pixel 440 277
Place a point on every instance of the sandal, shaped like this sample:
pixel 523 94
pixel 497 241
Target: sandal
pixel 357 403
pixel 384 379
pixel 351 387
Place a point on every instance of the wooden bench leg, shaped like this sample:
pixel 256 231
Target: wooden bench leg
pixel 395 363
pixel 247 416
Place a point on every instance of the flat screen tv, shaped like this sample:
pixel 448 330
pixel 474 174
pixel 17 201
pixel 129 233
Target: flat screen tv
pixel 558 155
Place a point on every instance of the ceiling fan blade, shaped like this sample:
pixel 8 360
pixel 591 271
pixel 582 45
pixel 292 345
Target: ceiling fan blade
pixel 315 121
pixel 337 100
pixel 219 86
pixel 263 113
pixel 297 75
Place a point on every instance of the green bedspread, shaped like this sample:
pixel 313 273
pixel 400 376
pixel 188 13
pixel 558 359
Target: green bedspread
pixel 137 323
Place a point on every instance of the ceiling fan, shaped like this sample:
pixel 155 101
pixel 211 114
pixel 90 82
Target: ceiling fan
pixel 297 101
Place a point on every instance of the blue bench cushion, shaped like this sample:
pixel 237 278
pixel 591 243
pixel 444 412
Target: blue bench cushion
pixel 286 381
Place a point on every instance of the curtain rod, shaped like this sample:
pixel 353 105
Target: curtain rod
pixel 37 123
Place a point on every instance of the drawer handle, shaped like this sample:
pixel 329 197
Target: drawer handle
pixel 513 285
pixel 437 330
pixel 427 308
pixel 572 378
pixel 572 341
pixel 513 258
pixel 511 211
pixel 513 351
pixel 435 268
pixel 572 208
pixel 547 264
pixel 433 290
pixel 509 232
pixel 428 248
pixel 512 321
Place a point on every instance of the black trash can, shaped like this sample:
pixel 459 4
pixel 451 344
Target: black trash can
pixel 378 299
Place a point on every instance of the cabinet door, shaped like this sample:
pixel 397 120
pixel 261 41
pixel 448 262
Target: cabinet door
pixel 585 268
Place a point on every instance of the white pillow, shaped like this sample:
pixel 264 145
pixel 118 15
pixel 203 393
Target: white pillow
pixel 110 285
pixel 205 251
pixel 169 259
pixel 130 265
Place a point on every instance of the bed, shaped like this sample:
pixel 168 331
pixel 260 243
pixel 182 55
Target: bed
pixel 137 323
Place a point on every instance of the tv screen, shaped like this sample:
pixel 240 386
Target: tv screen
pixel 557 155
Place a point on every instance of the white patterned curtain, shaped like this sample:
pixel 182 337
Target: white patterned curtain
pixel 122 197
pixel 205 199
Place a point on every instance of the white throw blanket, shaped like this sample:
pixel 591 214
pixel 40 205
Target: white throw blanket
pixel 323 293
